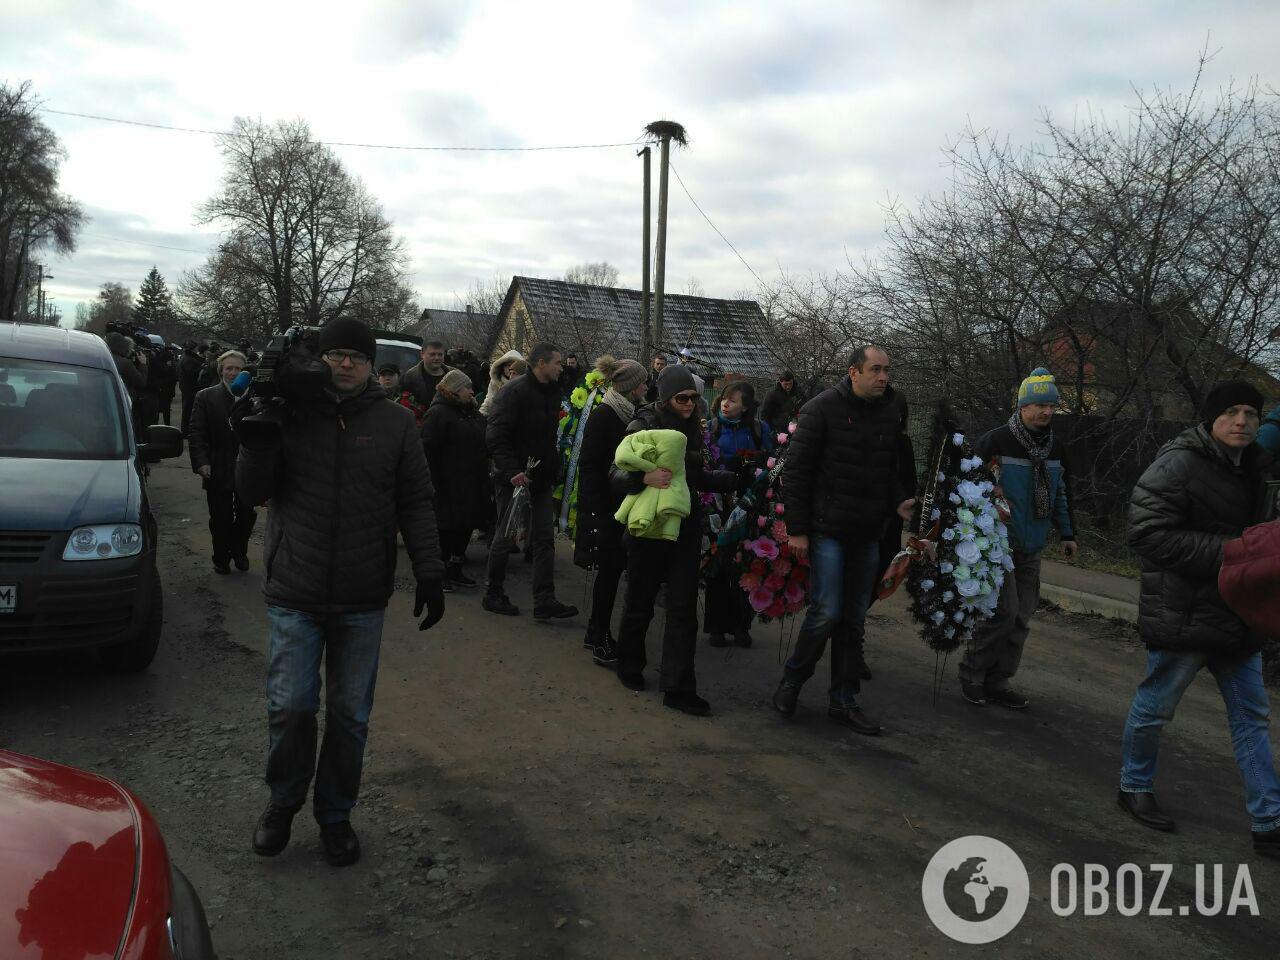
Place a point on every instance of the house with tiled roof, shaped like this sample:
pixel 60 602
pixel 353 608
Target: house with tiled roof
pixel 720 338
pixel 458 328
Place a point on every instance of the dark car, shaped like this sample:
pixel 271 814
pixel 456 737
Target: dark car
pixel 77 537
pixel 84 871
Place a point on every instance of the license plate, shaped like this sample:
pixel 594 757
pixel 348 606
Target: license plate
pixel 8 597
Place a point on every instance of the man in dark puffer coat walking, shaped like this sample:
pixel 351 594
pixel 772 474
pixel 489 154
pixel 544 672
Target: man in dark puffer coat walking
pixel 1202 490
pixel 841 483
pixel 345 472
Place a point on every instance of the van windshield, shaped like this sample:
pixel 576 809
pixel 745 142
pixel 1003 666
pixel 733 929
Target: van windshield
pixel 59 412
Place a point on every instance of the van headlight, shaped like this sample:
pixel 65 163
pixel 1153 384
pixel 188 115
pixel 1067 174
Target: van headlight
pixel 109 541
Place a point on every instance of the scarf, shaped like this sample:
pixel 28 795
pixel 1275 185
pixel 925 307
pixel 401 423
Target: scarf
pixel 619 404
pixel 1038 452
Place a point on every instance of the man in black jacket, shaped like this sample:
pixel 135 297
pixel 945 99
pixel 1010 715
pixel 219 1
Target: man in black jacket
pixel 189 368
pixel 213 448
pixel 841 484
pixel 1204 487
pixel 522 426
pixel 782 402
pixel 346 470
pixel 421 379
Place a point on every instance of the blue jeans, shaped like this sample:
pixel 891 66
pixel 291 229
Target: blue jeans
pixel 298 641
pixel 1169 674
pixel 842 575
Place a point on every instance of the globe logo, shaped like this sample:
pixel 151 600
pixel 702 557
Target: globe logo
pixel 975 889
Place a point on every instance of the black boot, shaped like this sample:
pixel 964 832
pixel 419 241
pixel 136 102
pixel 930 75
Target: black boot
pixel 453 572
pixel 685 702
pixel 1143 808
pixel 606 652
pixel 341 845
pixel 1266 843
pixel 272 833
pixel 850 715
pixel 786 697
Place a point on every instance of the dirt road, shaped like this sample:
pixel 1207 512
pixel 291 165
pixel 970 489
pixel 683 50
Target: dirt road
pixel 519 802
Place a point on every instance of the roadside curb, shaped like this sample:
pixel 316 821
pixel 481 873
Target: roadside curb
pixel 1078 601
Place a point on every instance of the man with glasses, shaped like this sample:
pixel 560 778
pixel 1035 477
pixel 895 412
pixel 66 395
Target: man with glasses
pixel 841 483
pixel 522 427
pixel 342 476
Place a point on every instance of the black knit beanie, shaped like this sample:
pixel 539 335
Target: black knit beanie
pixel 348 333
pixel 1227 394
pixel 674 379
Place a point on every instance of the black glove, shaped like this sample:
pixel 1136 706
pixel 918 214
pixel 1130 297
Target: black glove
pixel 430 594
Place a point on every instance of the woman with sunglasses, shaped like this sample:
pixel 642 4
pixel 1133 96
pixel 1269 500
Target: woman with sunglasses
pixel 651 562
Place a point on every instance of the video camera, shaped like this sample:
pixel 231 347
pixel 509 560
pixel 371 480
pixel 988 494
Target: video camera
pixel 290 372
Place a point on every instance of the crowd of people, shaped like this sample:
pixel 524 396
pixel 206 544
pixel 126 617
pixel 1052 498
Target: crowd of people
pixel 655 474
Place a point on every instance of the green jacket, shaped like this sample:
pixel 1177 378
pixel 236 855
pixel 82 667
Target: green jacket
pixel 654 513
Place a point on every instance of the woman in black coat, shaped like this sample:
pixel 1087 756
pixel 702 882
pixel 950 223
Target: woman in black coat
pixel 453 438
pixel 1204 488
pixel 650 562
pixel 598 542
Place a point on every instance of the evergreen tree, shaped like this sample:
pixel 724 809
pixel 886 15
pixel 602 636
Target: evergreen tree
pixel 155 304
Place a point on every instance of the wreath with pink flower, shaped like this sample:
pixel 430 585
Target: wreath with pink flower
pixel 755 541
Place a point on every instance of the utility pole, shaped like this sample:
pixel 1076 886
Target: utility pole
pixel 665 131
pixel 644 267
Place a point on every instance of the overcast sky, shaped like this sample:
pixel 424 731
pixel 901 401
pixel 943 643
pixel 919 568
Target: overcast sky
pixel 804 118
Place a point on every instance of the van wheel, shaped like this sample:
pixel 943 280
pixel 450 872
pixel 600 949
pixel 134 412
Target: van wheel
pixel 136 653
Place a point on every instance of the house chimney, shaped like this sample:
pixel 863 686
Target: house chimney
pixel 468 308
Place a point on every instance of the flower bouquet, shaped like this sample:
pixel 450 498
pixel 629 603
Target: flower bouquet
pixel 573 422
pixel 955 580
pixel 754 541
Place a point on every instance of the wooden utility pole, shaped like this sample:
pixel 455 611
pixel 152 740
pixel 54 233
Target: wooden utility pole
pixel 665 131
pixel 645 341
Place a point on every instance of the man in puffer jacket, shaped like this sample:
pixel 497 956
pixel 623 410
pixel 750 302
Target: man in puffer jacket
pixel 1033 476
pixel 1204 487
pixel 346 470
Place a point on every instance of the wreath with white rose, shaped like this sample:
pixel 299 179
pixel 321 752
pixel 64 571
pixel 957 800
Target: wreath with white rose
pixel 956 584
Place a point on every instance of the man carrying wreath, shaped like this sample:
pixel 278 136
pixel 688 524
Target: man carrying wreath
pixel 1033 476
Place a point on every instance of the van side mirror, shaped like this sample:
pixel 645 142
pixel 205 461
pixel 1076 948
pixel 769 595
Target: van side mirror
pixel 162 443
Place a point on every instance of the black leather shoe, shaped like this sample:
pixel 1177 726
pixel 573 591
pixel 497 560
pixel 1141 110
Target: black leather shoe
pixel 500 605
pixel 786 697
pixel 242 563
pixel 1143 808
pixel 689 703
pixel 341 845
pixel 742 638
pixel 717 640
pixel 453 573
pixel 1008 698
pixel 555 610
pixel 1267 843
pixel 974 694
pixel 223 567
pixel 272 833
pixel 632 681
pixel 853 718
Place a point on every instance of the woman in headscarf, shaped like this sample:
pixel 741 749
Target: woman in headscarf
pixel 651 561
pixel 598 540
pixel 453 438
pixel 503 370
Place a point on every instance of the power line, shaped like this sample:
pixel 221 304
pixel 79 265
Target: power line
pixel 713 226
pixel 144 243
pixel 338 143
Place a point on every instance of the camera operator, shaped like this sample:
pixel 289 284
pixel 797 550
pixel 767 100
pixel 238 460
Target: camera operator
pixel 188 375
pixel 343 471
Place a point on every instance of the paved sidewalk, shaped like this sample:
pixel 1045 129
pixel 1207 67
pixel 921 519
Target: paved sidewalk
pixel 1088 591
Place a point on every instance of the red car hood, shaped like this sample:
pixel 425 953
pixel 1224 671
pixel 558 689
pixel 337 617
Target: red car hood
pixel 68 861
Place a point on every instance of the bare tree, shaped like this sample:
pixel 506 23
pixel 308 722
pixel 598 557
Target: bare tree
pixel 305 241
pixel 34 214
pixel 602 274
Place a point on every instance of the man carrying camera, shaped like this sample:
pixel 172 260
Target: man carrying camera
pixel 343 470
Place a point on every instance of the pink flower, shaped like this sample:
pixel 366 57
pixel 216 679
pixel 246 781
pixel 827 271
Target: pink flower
pixel 779 509
pixel 761 521
pixel 775 581
pixel 765 549
pixel 775 609
pixel 782 438
pixel 782 566
pixel 791 427
pixel 779 530
pixel 768 494
pixel 749 581
pixel 760 599
pixel 771 462
pixel 794 593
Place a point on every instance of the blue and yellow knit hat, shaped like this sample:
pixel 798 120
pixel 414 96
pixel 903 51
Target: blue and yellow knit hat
pixel 1040 387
